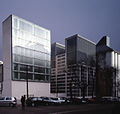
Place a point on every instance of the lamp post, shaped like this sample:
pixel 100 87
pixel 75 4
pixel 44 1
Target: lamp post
pixel 27 80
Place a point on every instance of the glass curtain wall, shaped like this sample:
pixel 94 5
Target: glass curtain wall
pixel 30 50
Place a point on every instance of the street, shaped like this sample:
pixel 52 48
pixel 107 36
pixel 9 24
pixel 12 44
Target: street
pixel 65 109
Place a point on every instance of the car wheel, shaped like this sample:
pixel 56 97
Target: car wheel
pixel 46 104
pixel 33 104
pixel 11 105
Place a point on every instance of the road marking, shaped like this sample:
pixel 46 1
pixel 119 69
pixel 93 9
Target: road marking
pixel 64 112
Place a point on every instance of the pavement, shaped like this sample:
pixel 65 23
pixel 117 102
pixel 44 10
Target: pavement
pixel 65 109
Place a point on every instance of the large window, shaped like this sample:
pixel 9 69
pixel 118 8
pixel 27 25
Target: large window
pixel 39 77
pixel 30 51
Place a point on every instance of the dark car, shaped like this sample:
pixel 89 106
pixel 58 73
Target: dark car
pixel 84 100
pixel 34 101
pixel 75 101
pixel 97 100
pixel 111 100
pixel 50 101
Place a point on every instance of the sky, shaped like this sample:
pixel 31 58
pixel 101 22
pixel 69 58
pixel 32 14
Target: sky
pixel 92 19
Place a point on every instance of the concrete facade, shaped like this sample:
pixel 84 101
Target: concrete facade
pixel 73 67
pixel 26 53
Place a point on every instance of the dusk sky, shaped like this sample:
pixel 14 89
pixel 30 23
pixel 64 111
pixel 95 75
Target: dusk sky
pixel 92 19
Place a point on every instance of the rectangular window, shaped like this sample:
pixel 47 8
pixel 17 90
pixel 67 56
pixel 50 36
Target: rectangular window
pixel 39 62
pixel 22 75
pixel 15 66
pixel 15 75
pixel 39 77
pixel 30 68
pixel 23 68
pixel 47 70
pixel 47 78
pixel 39 69
pixel 30 47
pixel 30 76
pixel 26 26
pixel 40 32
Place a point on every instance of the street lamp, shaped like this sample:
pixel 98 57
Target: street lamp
pixel 27 80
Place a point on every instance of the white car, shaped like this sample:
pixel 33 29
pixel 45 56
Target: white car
pixel 8 101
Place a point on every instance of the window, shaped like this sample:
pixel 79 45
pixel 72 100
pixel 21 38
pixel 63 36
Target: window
pixel 30 68
pixel 15 75
pixel 39 77
pixel 30 47
pixel 15 66
pixel 47 71
pixel 25 26
pixel 30 76
pixel 8 98
pixel 15 23
pixel 23 68
pixel 40 32
pixel 47 78
pixel 22 75
pixel 2 98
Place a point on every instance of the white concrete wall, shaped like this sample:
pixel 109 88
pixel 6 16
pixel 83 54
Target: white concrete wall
pixel 34 88
pixel 118 73
pixel 112 58
pixel 116 60
pixel 7 57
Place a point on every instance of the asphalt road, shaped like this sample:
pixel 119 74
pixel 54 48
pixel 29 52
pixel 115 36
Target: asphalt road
pixel 65 109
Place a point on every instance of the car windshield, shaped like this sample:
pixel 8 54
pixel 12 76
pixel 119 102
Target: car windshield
pixel 35 98
pixel 54 98
pixel 1 98
pixel 39 98
pixel 62 98
pixel 8 98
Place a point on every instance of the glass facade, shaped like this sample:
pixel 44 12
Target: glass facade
pixel 71 50
pixel 86 52
pixel 80 51
pixel 30 51
pixel 81 66
pixel 56 49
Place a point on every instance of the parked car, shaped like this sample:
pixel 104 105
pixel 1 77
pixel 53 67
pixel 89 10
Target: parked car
pixel 53 100
pixel 111 99
pixel 34 101
pixel 50 101
pixel 96 100
pixel 63 100
pixel 84 100
pixel 56 101
pixel 8 101
pixel 46 100
pixel 75 101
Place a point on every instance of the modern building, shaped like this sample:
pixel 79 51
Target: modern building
pixel 58 64
pixel 108 69
pixel 81 66
pixel 26 56
pixel 74 68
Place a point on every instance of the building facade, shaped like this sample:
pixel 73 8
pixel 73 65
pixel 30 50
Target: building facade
pixel 81 66
pixel 58 64
pixel 75 68
pixel 26 55
pixel 108 69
